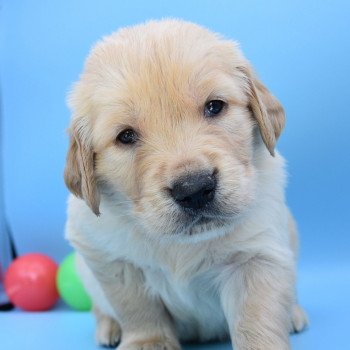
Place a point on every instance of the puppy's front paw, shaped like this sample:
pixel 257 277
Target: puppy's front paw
pixel 108 332
pixel 151 344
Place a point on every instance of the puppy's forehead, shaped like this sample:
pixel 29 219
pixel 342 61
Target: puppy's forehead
pixel 161 66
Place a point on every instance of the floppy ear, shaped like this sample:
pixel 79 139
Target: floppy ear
pixel 79 171
pixel 266 109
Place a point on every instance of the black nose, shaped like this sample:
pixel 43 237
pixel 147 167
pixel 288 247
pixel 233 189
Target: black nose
pixel 194 191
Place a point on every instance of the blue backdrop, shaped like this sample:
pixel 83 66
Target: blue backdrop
pixel 300 49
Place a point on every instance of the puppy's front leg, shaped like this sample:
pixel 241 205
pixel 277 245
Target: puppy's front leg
pixel 144 320
pixel 257 297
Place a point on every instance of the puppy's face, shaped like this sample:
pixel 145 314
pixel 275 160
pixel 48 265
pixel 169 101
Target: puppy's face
pixel 164 118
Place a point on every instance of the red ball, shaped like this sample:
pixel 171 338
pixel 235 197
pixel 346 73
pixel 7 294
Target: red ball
pixel 30 282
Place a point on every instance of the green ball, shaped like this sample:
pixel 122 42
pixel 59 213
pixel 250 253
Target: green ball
pixel 70 286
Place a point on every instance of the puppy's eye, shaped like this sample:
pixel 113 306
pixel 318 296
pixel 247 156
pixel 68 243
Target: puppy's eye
pixel 213 108
pixel 127 136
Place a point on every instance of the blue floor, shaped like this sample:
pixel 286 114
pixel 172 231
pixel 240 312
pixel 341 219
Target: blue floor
pixel 325 294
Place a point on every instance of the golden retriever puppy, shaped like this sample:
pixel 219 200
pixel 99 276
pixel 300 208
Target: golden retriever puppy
pixel 178 210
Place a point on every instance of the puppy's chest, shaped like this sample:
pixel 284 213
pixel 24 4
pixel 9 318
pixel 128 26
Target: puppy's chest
pixel 194 303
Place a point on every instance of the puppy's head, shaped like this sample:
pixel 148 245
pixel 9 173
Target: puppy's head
pixel 164 117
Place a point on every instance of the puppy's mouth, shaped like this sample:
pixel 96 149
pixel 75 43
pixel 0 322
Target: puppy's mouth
pixel 202 225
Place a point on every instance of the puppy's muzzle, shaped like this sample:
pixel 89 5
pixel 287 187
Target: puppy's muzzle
pixel 194 191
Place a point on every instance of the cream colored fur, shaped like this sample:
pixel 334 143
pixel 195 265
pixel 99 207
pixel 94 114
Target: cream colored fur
pixel 155 275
